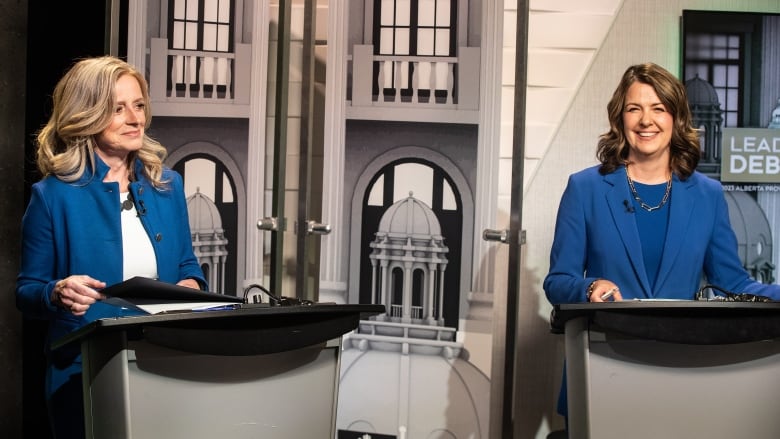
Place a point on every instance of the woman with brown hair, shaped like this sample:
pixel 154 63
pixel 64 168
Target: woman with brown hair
pixel 644 224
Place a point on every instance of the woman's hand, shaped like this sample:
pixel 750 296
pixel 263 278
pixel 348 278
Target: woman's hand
pixel 76 293
pixel 190 283
pixel 603 290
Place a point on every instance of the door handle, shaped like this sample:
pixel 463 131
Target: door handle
pixel 495 235
pixel 314 228
pixel 268 223
pixel 501 236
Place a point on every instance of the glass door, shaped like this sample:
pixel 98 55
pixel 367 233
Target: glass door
pixel 504 386
pixel 291 257
pixel 294 169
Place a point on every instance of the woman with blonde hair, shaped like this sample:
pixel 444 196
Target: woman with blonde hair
pixel 105 210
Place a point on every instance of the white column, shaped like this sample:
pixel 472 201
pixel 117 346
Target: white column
pixel 223 273
pixel 136 33
pixel 374 269
pixel 256 154
pixel 431 291
pixel 488 143
pixel 387 300
pixel 334 260
pixel 441 292
pixel 406 315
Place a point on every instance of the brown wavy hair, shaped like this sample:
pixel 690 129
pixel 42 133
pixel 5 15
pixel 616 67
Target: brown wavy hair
pixel 685 150
pixel 83 106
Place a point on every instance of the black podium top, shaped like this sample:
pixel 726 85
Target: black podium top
pixel 248 329
pixel 678 321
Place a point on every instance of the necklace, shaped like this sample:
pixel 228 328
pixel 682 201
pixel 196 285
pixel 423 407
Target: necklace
pixel 644 205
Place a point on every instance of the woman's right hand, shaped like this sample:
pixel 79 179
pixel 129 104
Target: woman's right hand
pixel 603 290
pixel 76 293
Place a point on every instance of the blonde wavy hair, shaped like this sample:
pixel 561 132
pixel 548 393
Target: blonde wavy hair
pixel 83 106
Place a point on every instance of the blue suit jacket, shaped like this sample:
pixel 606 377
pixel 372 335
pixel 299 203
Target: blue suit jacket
pixel 596 237
pixel 75 228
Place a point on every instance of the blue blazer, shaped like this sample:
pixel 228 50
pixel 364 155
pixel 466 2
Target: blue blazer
pixel 75 228
pixel 596 237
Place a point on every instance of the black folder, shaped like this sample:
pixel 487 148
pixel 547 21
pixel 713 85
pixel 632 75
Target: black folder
pixel 142 290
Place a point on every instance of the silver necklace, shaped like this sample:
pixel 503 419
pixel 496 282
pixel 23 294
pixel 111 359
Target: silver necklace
pixel 644 205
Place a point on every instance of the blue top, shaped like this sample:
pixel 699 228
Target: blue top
pixel 652 225
pixel 75 228
pixel 596 236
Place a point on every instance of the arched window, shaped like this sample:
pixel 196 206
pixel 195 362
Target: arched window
pixel 431 185
pixel 205 174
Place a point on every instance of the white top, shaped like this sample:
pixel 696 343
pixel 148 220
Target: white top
pixel 138 257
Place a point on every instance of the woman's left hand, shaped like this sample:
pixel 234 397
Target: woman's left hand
pixel 189 283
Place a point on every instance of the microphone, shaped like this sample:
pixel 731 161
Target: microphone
pixel 629 207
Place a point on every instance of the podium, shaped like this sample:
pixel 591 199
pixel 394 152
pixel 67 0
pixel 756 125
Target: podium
pixel 671 369
pixel 257 371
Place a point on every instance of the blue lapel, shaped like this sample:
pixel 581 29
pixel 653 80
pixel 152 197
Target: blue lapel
pixel 618 196
pixel 683 204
